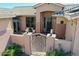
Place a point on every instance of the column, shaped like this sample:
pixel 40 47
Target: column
pixel 76 41
pixel 38 27
pixel 23 23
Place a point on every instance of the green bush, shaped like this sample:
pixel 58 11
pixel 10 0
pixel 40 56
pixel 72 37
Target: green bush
pixel 13 50
pixel 59 52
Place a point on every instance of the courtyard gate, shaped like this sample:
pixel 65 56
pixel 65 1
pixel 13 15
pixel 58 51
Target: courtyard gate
pixel 38 43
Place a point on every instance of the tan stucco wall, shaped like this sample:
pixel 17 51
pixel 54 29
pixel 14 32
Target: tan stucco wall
pixel 66 45
pixel 61 18
pixel 6 30
pixel 23 40
pixel 70 29
pixel 60 29
pixel 6 24
pixel 76 41
pixel 50 43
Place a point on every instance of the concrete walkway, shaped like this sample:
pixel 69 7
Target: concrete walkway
pixel 38 54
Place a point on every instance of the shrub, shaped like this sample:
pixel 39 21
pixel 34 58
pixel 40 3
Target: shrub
pixel 13 50
pixel 59 52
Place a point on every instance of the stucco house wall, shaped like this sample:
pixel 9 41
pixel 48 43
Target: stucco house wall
pixel 6 30
pixel 23 40
pixel 50 43
pixel 76 40
pixel 71 29
pixel 66 45
pixel 6 24
pixel 61 18
pixel 60 29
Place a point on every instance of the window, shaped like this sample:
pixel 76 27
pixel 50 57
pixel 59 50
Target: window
pixel 17 24
pixel 30 22
pixel 61 22
pixel 44 22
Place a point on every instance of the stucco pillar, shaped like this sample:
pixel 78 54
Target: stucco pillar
pixel 10 25
pixel 23 23
pixel 76 41
pixel 38 23
pixel 53 23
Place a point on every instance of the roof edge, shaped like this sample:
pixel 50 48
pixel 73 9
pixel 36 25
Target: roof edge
pixel 58 4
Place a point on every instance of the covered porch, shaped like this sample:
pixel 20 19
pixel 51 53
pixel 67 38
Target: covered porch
pixel 49 24
pixel 21 23
pixel 48 18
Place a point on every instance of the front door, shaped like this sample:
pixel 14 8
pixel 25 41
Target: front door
pixel 47 24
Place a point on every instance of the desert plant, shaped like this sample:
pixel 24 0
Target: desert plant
pixel 58 52
pixel 13 50
pixel 51 53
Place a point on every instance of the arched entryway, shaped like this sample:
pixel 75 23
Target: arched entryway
pixel 46 21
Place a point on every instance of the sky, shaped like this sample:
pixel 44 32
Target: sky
pixel 11 5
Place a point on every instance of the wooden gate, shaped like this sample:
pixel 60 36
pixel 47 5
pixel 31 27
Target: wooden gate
pixel 38 43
